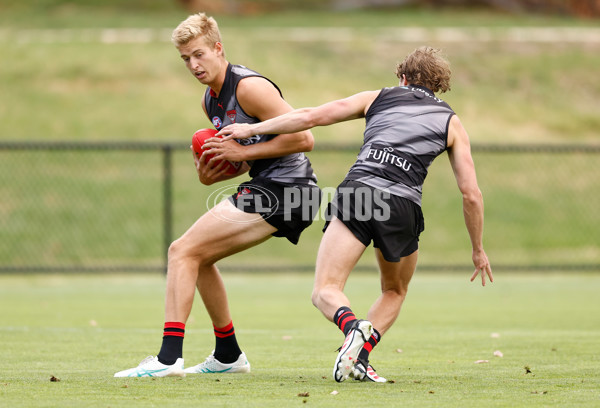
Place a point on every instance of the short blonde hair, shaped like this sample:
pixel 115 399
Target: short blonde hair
pixel 195 26
pixel 426 66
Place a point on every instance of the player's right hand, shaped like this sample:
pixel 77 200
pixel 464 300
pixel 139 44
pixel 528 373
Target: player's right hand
pixel 206 174
pixel 482 266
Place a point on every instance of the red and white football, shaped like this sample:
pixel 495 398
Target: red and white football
pixel 198 141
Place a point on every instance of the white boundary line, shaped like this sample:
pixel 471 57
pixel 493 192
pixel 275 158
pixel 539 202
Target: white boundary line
pixel 589 35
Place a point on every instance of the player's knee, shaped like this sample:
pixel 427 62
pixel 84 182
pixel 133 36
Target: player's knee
pixel 179 251
pixel 318 295
pixel 396 291
pixel 325 294
pixel 174 253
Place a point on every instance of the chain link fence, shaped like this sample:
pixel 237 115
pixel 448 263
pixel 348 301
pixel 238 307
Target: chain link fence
pixel 91 207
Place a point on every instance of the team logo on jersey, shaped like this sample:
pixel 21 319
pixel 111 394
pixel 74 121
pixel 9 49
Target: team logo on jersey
pixel 245 190
pixel 217 123
pixel 231 115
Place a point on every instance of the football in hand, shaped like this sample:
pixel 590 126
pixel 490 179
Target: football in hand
pixel 198 141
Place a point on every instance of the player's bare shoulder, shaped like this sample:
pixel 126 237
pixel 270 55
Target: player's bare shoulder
pixel 260 98
pixel 251 87
pixel 367 98
pixel 456 131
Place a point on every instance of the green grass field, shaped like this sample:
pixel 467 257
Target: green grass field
pixel 82 329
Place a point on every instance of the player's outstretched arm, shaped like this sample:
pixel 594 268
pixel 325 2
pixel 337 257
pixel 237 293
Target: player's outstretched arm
pixel 353 107
pixel 459 152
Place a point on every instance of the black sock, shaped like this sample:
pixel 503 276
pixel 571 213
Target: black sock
pixel 227 349
pixel 368 347
pixel 344 317
pixel 172 344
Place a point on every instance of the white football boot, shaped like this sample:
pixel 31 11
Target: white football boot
pixel 151 367
pixel 355 340
pixel 365 372
pixel 213 366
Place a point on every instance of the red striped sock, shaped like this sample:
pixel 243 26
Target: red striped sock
pixel 226 331
pixel 227 349
pixel 172 344
pixel 174 329
pixel 369 345
pixel 344 317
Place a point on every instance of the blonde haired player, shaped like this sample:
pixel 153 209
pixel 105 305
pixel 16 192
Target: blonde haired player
pixel 407 127
pixel 254 213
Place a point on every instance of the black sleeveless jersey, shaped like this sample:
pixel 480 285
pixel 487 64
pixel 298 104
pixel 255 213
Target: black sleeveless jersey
pixel 406 129
pixel 225 109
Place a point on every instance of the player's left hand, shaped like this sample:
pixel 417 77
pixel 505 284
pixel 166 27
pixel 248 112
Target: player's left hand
pixel 482 266
pixel 224 150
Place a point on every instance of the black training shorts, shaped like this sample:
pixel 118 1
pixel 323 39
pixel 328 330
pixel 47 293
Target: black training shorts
pixel 288 207
pixel 392 222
